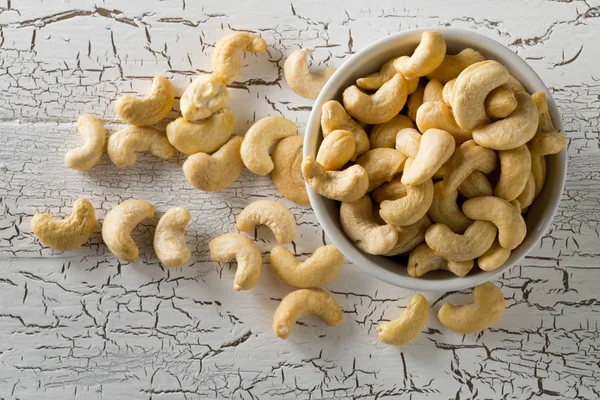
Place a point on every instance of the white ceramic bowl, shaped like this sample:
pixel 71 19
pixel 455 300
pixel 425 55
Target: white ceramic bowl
pixel 370 59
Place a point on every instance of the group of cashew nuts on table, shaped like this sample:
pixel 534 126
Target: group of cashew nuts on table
pixel 476 125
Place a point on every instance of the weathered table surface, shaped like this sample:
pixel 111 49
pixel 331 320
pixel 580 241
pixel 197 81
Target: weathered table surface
pixel 82 325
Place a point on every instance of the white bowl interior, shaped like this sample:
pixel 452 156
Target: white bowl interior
pixel 370 59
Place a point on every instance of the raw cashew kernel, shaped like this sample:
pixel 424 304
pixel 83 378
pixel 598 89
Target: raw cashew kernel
pixel 423 260
pixel 410 236
pixel 528 194
pixel 468 158
pixel 226 56
pixel 476 184
pixel 69 233
pixel 445 210
pixel 500 103
pixel 259 139
pixel 317 270
pixel 206 95
pixel 336 150
pixel 409 209
pixel 515 166
pixel 274 215
pixel 230 246
pixel 375 80
pixel 428 56
pixel 118 224
pixel 334 117
pixel 538 169
pixel 169 237
pixel 150 109
pixel 384 135
pixel 381 165
pixel 447 93
pixel 494 257
pixel 300 79
pixel 203 137
pixel 415 100
pixel 391 190
pixel 485 311
pixel 547 140
pixel 123 144
pixel 514 84
pixel 436 147
pixel 347 185
pixel 437 115
pixel 301 303
pixel 433 91
pixel 408 141
pixel 379 107
pixel 86 156
pixel 287 170
pixel 408 326
pixel 476 240
pixel 453 65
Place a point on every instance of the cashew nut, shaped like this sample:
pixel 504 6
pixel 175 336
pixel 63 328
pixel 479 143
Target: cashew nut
pixel 391 190
pixel 528 194
pixel 423 260
pixel 433 91
pixel 317 270
pixel 500 103
pixel 66 234
pixel 510 223
pixel 381 165
pixel 334 117
pixel 453 65
pixel 437 115
pixel 347 185
pixel 445 210
pixel 169 237
pixel 384 135
pixel 514 84
pixel 494 257
pixel 476 240
pixel 226 56
pixel 300 79
pixel 513 131
pixel 415 100
pixel 230 246
pixel 150 109
pixel 274 215
pixel 485 311
pixel 538 169
pixel 467 159
pixel 88 155
pixel 204 137
pixel 408 209
pixel 123 144
pixel 206 95
pixel 287 172
pixel 408 141
pixel 375 80
pixel 476 184
pixel 336 150
pixel 436 147
pixel 408 326
pixel 410 236
pixel 379 107
pixel 515 166
pixel 118 224
pixel 447 94
pixel 360 226
pixel 259 139
pixel 301 303
pixel 428 56
pixel 547 140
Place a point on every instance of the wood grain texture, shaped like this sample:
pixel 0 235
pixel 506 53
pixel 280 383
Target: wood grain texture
pixel 82 325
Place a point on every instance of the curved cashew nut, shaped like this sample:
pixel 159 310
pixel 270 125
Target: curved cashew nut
pixel 409 209
pixel 528 194
pixel 391 190
pixel 230 246
pixel 476 184
pixel 428 56
pixel 274 215
pixel 375 80
pixel 510 223
pixel 379 107
pixel 66 234
pixel 513 131
pixel 150 109
pixel 336 150
pixel 204 137
pixel 118 224
pixel 433 91
pixel 303 302
pixel 259 139
pixel 123 144
pixel 467 159
pixel 538 169
pixel 217 171
pixel 437 115
pixel 447 93
pixel 410 236
pixel 452 66
pixel 381 165
pixel 515 167
pixel 226 56
pixel 317 270
pixel 384 135
pixel 514 84
pixel 415 100
pixel 408 141
pixel 494 257
pixel 334 117
pixel 360 226
pixel 485 311
pixel 476 240
pixel 408 326
pixel 470 90
pixel 436 147
pixel 423 260
pixel 300 79
pixel 500 103
pixel 169 237
pixel 287 172
pixel 445 210
pixel 86 156
pixel 547 140
pixel 204 96
pixel 347 185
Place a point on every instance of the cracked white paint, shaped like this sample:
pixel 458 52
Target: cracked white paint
pixel 81 325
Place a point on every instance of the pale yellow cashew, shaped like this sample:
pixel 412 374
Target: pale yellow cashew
pixel 528 194
pixel 275 216
pixel 433 91
pixel 476 240
pixel 317 270
pixel 415 100
pixel 514 84
pixel 375 80
pixel 510 223
pixel 408 141
pixel 379 107
pixel 336 150
pixel 384 135
pixel 538 169
pixel 513 131
pixel 515 166
pixel 233 246
pixel 453 65
pixel 500 103
pixel 476 184
pixel 203 137
pixel 118 224
pixel 66 234
pixel 217 171
pixel 303 302
pixel 287 170
pixel 470 90
pixel 547 139
pixel 391 190
pixel 437 115
pixel 300 79
pixel 381 165
pixel 86 156
pixel 169 238
pixel 467 159
pixel 408 326
pixel 334 117
pixel 408 209
pixel 123 144
pixel 436 147
pixel 226 61
pixel 494 257
pixel 516 204
pixel 428 56
pixel 206 95
pixel 445 210
pixel 259 139
pixel 150 109
pixel 360 226
pixel 410 236
pixel 423 260
pixel 447 93
pixel 485 311
pixel 347 185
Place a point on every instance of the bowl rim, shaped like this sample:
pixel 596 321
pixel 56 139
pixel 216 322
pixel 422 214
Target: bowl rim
pixel 357 257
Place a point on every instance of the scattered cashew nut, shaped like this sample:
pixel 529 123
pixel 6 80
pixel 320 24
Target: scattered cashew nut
pixel 86 156
pixel 381 165
pixel 423 260
pixel 259 139
pixel 123 144
pixel 547 140
pixel 436 147
pixel 334 117
pixel 384 135
pixel 169 237
pixel 206 95
pixel 203 137
pixel 336 150
pixel 226 56
pixel 317 270
pixel 408 326
pixel 230 246
pixel 150 109
pixel 515 166
pixel 453 65
pixel 428 56
pixel 287 170
pixel 347 185
pixel 274 215
pixel 476 240
pixel 300 79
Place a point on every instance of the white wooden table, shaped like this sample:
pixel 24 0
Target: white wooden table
pixel 82 325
